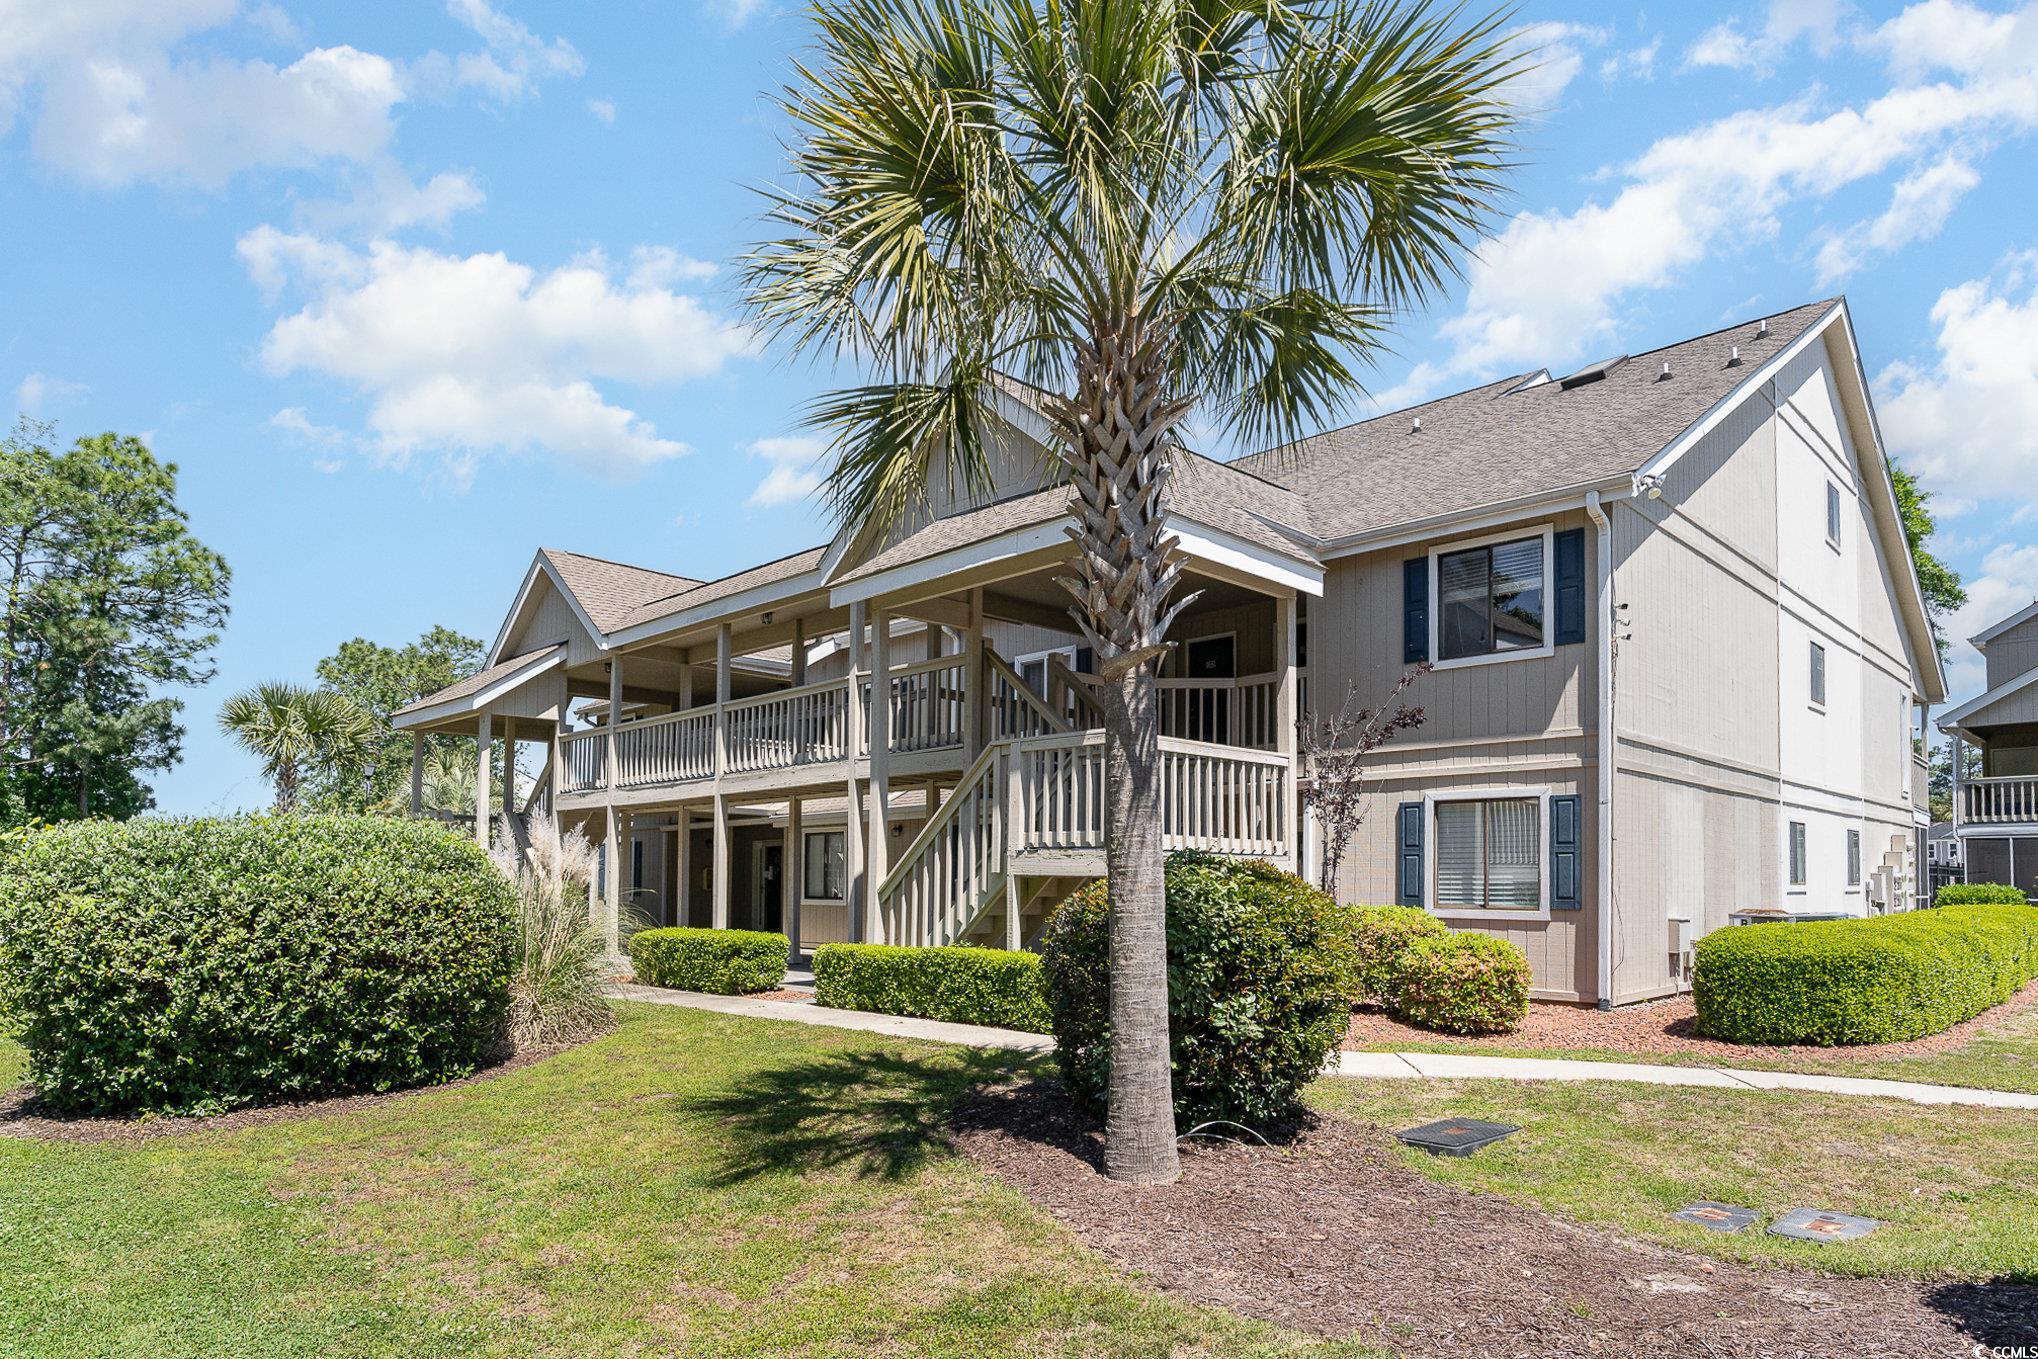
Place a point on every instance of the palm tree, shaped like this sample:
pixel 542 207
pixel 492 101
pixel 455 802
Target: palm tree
pixel 1144 207
pixel 291 727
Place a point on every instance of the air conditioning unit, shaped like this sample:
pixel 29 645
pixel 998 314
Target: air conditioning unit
pixel 1680 946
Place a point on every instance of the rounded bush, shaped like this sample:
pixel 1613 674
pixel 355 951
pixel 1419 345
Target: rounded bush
pixel 961 985
pixel 187 967
pixel 1883 979
pixel 1259 988
pixel 1979 894
pixel 1464 983
pixel 1381 938
pixel 721 962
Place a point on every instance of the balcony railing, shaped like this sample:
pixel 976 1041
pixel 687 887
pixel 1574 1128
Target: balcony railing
pixel 2001 800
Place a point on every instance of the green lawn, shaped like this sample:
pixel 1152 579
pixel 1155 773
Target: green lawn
pixel 2003 1057
pixel 1957 1188
pixel 692 1184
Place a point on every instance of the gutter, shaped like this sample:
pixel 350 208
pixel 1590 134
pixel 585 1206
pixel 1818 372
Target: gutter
pixel 1605 773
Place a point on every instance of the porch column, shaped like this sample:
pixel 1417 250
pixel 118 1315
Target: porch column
pixel 417 774
pixel 484 744
pixel 1953 753
pixel 799 670
pixel 682 854
pixel 1284 725
pixel 880 767
pixel 973 676
pixel 555 765
pixel 852 826
pixel 619 880
pixel 795 885
pixel 686 679
pixel 612 754
pixel 612 840
pixel 509 766
pixel 723 637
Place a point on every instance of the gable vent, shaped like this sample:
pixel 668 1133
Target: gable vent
pixel 1591 372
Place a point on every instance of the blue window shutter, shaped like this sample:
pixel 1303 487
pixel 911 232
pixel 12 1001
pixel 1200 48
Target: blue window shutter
pixel 1565 860
pixel 1415 610
pixel 1569 569
pixel 1408 854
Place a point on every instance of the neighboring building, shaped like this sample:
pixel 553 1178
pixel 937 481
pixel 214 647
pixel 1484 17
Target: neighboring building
pixel 1995 816
pixel 1679 651
pixel 1943 862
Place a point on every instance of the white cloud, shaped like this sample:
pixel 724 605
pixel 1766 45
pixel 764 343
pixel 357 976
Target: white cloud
pixel 1954 36
pixel 1788 21
pixel 127 92
pixel 515 59
pixel 736 13
pixel 38 391
pixel 604 109
pixel 1968 423
pixel 2008 581
pixel 1918 207
pixel 660 266
pixel 464 356
pixel 1636 63
pixel 1546 288
pixel 796 471
pixel 1551 61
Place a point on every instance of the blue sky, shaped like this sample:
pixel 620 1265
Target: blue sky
pixel 408 290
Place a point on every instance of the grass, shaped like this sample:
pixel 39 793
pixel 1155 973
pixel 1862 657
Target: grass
pixel 692 1184
pixel 1956 1188
pixel 2003 1056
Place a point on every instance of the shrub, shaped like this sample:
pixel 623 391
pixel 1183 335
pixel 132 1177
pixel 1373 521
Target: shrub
pixel 961 985
pixel 1259 988
pixel 1381 939
pixel 187 967
pixel 1463 983
pixel 1979 894
pixel 724 962
pixel 1877 980
pixel 556 988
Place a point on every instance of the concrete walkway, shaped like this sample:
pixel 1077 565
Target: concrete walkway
pixel 1370 1065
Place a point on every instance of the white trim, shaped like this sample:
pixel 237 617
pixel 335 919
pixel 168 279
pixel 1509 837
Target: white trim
pixel 1540 505
pixel 775 594
pixel 1219 548
pixel 541 563
pixel 1188 642
pixel 963 557
pixel 807 834
pixel 1541 795
pixel 1981 639
pixel 1547 532
pixel 1953 717
pixel 1668 455
pixel 481 698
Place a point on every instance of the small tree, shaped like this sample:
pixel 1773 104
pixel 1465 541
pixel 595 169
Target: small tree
pixel 295 731
pixel 1334 751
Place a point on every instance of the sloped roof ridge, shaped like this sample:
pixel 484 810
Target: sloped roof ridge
pixel 611 561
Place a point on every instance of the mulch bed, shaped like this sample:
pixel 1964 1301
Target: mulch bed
pixel 1659 1026
pixel 797 997
pixel 1332 1235
pixel 23 1115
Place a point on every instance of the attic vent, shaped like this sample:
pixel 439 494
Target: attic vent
pixel 1592 372
pixel 1535 379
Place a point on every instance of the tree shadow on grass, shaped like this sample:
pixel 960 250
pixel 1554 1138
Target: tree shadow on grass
pixel 880 1114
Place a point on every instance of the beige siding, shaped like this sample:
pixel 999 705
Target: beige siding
pixel 548 619
pixel 2012 653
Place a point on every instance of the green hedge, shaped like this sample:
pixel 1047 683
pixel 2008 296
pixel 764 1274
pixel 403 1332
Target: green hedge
pixel 1883 979
pixel 961 985
pixel 1979 894
pixel 1463 983
pixel 1381 938
pixel 187 967
pixel 723 962
pixel 1259 988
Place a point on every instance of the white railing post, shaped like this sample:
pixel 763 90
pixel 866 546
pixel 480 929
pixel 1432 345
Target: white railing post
pixel 880 760
pixel 721 885
pixel 484 742
pixel 855 886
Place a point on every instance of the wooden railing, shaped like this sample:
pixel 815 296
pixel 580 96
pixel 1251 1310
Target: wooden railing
pixel 585 754
pixel 1015 710
pixel 674 748
pixel 807 725
pixel 2011 799
pixel 930 704
pixel 1070 697
pixel 1212 797
pixel 955 864
pixel 1227 712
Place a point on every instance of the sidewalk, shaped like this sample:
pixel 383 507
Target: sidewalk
pixel 1364 1065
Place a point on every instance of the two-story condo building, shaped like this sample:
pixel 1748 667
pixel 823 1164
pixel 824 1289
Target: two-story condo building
pixel 1995 815
pixel 1680 659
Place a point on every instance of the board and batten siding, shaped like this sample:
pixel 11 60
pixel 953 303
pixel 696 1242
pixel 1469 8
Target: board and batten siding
pixel 1489 728
pixel 2011 654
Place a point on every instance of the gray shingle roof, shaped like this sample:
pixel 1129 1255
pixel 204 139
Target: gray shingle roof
pixel 1487 447
pixel 480 680
pixel 610 591
pixel 707 592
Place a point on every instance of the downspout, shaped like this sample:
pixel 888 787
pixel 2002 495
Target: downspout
pixel 1605 773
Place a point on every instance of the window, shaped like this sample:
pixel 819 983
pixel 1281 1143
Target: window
pixel 822 878
pixel 1032 667
pixel 1489 855
pixel 1797 854
pixel 1490 599
pixel 1818 675
pixel 1832 514
pixel 1853 858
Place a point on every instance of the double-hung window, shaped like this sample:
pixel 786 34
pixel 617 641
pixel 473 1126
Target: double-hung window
pixel 1818 675
pixel 1490 599
pixel 822 874
pixel 1853 858
pixel 1489 854
pixel 1797 864
pixel 1832 514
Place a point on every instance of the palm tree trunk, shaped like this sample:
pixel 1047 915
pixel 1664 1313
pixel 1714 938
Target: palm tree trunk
pixel 1115 431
